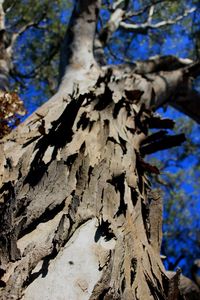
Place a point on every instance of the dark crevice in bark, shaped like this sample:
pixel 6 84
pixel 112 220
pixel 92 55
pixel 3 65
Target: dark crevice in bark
pixel 140 183
pixel 46 216
pixel 118 183
pixel 8 163
pixel 2 284
pixel 140 119
pixel 90 173
pixel 158 284
pixel 131 130
pixel 105 231
pixel 70 160
pixel 117 107
pixel 111 139
pixel 165 283
pixel 149 260
pixel 91 123
pixel 59 135
pixel 140 173
pixel 21 206
pixel 104 99
pixel 8 245
pixel 134 196
pixel 123 285
pixel 122 144
pixel 30 141
pixel 62 232
pixel 173 287
pixel 82 148
pixel 136 297
pixel 73 207
pixel 7 191
pixel 106 78
pixel 134 96
pixel 154 290
pixel 103 294
pixel 133 270
pixel 83 122
pixel 9 232
pixel 2 272
pixel 78 174
pixel 145 217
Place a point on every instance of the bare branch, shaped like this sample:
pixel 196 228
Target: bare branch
pixel 77 47
pixel 170 78
pixel 139 12
pixel 144 27
pixel 117 4
pixel 151 12
pixel 117 18
pixel 161 63
pixel 111 26
pixel 8 9
pixel 188 104
pixel 164 143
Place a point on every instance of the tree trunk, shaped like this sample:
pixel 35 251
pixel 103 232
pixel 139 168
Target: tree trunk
pixel 78 217
pixel 84 187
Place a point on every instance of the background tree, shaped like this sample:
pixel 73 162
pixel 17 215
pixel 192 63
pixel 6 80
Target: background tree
pixel 104 102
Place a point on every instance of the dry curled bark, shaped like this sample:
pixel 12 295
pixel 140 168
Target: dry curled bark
pixel 78 217
pixel 85 168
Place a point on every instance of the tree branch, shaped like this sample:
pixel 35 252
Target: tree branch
pixel 142 10
pixel 77 47
pixel 188 104
pixel 116 21
pixel 163 143
pixel 144 27
pixel 161 63
pixel 169 80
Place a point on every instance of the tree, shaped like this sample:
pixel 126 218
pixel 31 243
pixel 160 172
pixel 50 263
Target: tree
pixel 78 217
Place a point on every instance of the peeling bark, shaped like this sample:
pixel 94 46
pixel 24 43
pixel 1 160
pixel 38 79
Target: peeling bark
pixel 86 166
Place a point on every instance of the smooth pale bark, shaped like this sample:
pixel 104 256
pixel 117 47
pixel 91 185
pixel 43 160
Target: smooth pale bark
pixel 5 53
pixel 78 217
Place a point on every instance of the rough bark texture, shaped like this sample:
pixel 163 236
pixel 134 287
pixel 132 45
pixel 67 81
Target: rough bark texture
pixel 86 168
pixel 78 218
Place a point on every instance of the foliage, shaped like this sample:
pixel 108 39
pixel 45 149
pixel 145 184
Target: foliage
pixel 11 108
